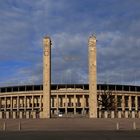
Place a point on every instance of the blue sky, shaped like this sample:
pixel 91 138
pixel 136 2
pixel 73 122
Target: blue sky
pixel 23 24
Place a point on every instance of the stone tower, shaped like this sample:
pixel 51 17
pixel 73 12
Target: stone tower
pixel 46 77
pixel 92 77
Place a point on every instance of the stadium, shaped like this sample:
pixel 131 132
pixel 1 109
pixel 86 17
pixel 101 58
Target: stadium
pixel 70 100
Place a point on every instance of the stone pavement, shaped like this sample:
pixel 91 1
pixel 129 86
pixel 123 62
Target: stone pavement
pixel 68 124
pixel 71 135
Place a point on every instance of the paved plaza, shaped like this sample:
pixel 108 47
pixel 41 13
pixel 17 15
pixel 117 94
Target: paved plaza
pixel 69 129
pixel 69 124
pixel 71 135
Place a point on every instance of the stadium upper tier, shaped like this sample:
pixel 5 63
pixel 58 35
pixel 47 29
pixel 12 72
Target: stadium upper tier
pixel 110 87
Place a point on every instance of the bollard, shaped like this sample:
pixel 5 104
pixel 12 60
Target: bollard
pixel 19 126
pixel 134 126
pixel 4 126
pixel 117 126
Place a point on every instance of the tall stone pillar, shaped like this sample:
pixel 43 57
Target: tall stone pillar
pixel 92 77
pixel 46 76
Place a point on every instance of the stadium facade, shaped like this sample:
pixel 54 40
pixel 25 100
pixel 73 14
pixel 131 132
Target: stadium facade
pixel 70 100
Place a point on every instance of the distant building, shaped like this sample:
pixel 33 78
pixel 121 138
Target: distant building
pixel 70 100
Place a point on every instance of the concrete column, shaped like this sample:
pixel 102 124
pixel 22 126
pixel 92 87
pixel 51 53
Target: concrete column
pixel 28 102
pixel 51 104
pixel 14 115
pixel 27 115
pixel 106 114
pixel 0 115
pixel 66 104
pixel 46 77
pixel 123 103
pixel 136 103
pixel 57 103
pixel 119 114
pixel 5 105
pixel 17 103
pixel 139 114
pixel 32 103
pixel 40 103
pixel 100 106
pixel 83 104
pixel 92 77
pixel 20 102
pixel 25 103
pixel 74 104
pixel 7 115
pixel 116 107
pixel 0 102
pixel 36 101
pixel 59 100
pixel 14 103
pixel 126 114
pixel 8 103
pixel 41 114
pixel 100 114
pixel 130 103
pixel 20 115
pixel 130 114
pixel 112 114
pixel 11 103
pixel 34 114
pixel 133 114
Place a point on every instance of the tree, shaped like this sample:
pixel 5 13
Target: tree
pixel 107 100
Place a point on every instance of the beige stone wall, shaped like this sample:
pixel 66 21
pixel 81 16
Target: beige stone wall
pixel 70 102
